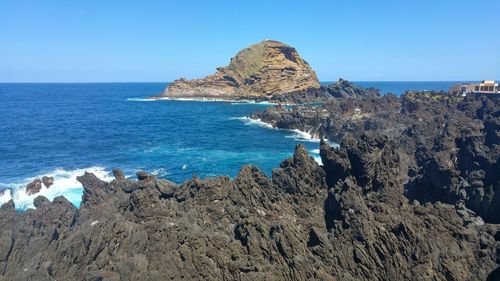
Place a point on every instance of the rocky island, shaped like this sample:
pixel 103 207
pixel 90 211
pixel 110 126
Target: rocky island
pixel 261 71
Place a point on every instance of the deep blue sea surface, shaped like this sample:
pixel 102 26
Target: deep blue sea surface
pixel 62 130
pixel 400 87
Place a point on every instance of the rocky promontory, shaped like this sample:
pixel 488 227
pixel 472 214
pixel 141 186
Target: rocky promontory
pixel 269 68
pixel 451 141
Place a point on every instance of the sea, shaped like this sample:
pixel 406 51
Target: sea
pixel 64 129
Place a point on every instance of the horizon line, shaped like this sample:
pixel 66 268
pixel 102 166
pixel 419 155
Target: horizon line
pixel 137 82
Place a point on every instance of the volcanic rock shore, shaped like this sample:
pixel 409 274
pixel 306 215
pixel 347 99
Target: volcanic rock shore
pixel 411 193
pixel 346 220
pixel 451 142
pixel 269 68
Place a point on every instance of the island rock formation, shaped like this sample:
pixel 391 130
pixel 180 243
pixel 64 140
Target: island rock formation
pixel 262 70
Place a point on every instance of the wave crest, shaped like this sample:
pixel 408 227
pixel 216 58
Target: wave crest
pixel 299 135
pixel 65 184
pixel 250 121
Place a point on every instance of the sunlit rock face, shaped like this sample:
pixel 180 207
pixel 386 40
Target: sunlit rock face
pixel 268 68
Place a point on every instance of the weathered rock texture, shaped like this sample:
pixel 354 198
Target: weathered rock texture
pixel 348 220
pixel 36 185
pixel 346 89
pixel 261 70
pixel 324 94
pixel 411 194
pixel 451 141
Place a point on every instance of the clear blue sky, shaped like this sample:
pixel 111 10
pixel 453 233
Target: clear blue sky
pixel 90 40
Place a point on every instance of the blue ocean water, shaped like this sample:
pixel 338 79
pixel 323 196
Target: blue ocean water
pixel 62 130
pixel 400 87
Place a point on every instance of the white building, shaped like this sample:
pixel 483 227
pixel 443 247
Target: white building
pixel 485 87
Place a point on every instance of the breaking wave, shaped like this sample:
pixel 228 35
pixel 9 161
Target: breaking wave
pixel 299 135
pixel 264 103
pixel 65 184
pixel 296 134
pixel 250 121
pixel 160 172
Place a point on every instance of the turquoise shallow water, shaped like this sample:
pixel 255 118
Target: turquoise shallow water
pixel 62 130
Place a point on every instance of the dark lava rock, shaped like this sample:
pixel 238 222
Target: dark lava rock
pixel 346 89
pixel 299 174
pixel 118 174
pixel 34 187
pixel 306 223
pixel 166 188
pixel 411 193
pixel 339 89
pixel 47 181
pixel 447 144
pixel 311 95
pixel 6 243
pixel 337 117
pixel 142 175
pixel 102 276
pixel 40 201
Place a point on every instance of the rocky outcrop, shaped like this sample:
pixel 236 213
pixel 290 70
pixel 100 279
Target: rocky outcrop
pixel 332 118
pixel 306 222
pixel 340 89
pixel 357 204
pixel 47 181
pixel 451 142
pixel 346 89
pixel 266 69
pixel 456 147
pixel 411 193
pixel 36 185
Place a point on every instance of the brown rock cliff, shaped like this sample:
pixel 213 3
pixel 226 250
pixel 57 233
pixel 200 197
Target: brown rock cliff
pixel 268 68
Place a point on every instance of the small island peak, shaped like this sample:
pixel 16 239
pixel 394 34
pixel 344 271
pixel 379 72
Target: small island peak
pixel 268 68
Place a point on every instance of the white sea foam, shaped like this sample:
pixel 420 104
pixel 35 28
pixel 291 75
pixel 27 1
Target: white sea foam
pixel 315 154
pixel 160 172
pixel 243 102
pixel 269 103
pixel 250 121
pixel 318 160
pixel 65 184
pixel 265 103
pixel 200 99
pixel 232 101
pixel 302 136
pixel 297 135
pixel 141 99
pixel 5 196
